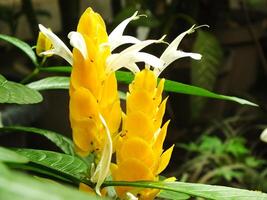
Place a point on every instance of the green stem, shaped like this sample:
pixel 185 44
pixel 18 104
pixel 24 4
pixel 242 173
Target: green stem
pixel 30 76
pixel 62 69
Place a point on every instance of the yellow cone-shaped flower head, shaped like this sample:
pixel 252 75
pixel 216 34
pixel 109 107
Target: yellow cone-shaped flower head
pixel 92 91
pixel 139 151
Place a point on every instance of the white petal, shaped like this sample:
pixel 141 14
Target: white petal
pixel 138 46
pixel 263 136
pixel 59 47
pixel 125 39
pixel 171 53
pixel 48 52
pixel 172 56
pixel 149 59
pixel 175 43
pixel 115 36
pixel 102 169
pixel 130 196
pixel 128 57
pixel 117 61
pixel 78 42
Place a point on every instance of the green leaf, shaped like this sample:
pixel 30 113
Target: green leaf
pixel 21 45
pixel 204 72
pixel 170 86
pixel 165 194
pixel 212 192
pixel 10 156
pixel 212 144
pixel 64 143
pixel 236 146
pixel 16 186
pixel 11 92
pixel 70 167
pixel 50 83
pixel 57 82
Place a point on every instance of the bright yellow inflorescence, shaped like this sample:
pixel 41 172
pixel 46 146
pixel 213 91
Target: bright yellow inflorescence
pixel 92 91
pixel 95 111
pixel 139 151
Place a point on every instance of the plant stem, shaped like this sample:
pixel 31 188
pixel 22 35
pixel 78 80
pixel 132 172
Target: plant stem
pixel 30 76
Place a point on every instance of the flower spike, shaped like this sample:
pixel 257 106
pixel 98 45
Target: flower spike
pixel 171 53
pixel 116 37
pixel 59 48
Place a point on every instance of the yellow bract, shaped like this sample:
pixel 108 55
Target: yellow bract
pixel 139 151
pixel 92 91
pixel 43 44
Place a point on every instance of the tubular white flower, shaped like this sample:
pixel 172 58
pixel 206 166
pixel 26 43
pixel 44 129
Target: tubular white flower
pixel 128 57
pixel 78 42
pixel 116 37
pixel 59 48
pixel 171 53
pixel 102 169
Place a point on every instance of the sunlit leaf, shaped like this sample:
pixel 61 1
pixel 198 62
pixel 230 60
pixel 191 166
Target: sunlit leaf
pixel 64 143
pixel 21 45
pixel 165 194
pixel 11 92
pixel 49 83
pixel 68 166
pixel 212 192
pixel 10 156
pixel 170 86
pixel 16 186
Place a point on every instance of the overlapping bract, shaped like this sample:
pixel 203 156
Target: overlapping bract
pixel 139 151
pixel 92 91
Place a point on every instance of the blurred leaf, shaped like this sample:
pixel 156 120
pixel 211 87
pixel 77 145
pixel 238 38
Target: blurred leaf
pixel 204 72
pixel 11 92
pixel 21 45
pixel 213 192
pixel 236 146
pixel 192 147
pixel 170 86
pixel 70 167
pixel 211 144
pixel 7 155
pixel 50 83
pixel 64 143
pixel 229 174
pixel 16 186
pixel 254 162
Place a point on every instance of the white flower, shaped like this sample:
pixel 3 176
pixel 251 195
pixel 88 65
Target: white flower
pixel 102 169
pixel 171 53
pixel 59 48
pixel 116 37
pixel 77 41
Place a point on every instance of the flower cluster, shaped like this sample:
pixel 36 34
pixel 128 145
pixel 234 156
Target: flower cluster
pixel 95 112
pixel 139 151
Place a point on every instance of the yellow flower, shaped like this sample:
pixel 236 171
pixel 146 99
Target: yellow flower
pixel 95 112
pixel 139 151
pixel 43 44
